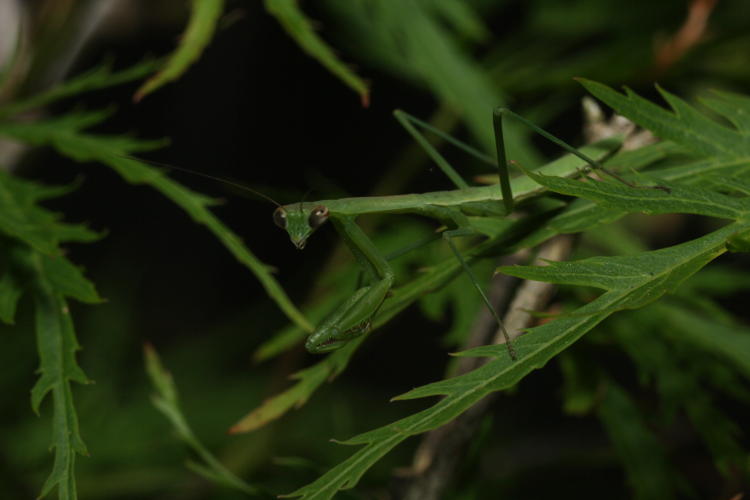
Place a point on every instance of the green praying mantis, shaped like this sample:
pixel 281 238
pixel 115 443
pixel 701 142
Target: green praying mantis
pixel 454 209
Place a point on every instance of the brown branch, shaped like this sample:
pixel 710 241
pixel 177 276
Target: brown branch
pixel 690 34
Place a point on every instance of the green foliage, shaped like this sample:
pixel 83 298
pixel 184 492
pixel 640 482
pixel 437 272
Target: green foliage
pixel 659 309
pixel 31 258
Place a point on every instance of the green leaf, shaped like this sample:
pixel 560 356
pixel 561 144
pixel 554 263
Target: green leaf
pixel 666 269
pixel 641 278
pixel 300 28
pixel 204 15
pixel 166 401
pixel 57 345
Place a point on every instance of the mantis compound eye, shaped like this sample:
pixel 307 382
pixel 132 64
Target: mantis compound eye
pixel 279 217
pixel 318 216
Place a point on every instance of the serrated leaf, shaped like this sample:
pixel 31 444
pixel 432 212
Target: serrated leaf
pixel 685 126
pixel 534 350
pixel 644 277
pixel 68 280
pixel 58 368
pixel 734 107
pixel 300 28
pixel 204 15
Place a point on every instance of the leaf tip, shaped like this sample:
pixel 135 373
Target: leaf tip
pixel 235 429
pixel 364 98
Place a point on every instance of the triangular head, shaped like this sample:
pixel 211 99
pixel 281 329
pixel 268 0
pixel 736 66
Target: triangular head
pixel 300 220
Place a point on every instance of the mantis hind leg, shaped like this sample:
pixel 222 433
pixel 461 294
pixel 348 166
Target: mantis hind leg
pixel 448 236
pixel 498 116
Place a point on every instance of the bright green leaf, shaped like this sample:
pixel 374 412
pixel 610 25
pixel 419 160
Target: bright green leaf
pixel 204 15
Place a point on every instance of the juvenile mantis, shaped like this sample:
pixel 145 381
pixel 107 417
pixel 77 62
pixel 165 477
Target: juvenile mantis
pixel 451 208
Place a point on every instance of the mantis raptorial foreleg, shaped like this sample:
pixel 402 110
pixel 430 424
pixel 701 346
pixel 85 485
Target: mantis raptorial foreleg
pixel 354 317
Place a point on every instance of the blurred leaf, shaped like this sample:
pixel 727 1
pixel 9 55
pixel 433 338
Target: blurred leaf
pixel 579 385
pixel 166 401
pixel 649 472
pixel 100 77
pixel 204 15
pixel 10 293
pixel 301 29
pixel 413 39
pixel 307 382
pixel 665 355
pixel 732 343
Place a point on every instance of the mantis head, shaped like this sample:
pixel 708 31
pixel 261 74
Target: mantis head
pixel 300 222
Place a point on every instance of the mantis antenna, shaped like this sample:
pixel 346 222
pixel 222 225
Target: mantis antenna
pixel 224 180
